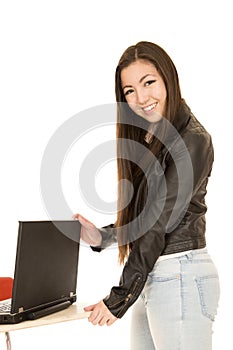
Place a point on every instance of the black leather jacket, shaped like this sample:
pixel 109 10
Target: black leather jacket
pixel 186 230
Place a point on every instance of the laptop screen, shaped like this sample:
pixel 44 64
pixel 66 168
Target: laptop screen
pixel 46 263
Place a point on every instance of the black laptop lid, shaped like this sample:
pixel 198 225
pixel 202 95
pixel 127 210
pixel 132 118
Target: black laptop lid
pixel 46 263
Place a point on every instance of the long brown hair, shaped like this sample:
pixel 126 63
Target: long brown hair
pixel 132 127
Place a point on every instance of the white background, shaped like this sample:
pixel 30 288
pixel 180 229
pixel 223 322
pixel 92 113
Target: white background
pixel 58 58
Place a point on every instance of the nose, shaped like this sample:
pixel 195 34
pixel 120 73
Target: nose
pixel 142 97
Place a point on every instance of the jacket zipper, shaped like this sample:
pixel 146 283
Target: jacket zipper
pixel 135 285
pixel 129 296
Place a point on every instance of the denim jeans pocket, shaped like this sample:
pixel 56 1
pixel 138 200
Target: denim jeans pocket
pixel 209 291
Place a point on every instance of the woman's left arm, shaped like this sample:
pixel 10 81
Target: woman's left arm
pixel 188 163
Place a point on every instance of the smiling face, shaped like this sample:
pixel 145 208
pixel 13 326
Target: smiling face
pixel 144 90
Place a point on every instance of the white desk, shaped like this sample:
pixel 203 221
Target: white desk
pixel 73 312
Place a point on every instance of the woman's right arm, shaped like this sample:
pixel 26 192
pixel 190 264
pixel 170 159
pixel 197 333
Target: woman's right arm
pixel 97 238
pixel 109 237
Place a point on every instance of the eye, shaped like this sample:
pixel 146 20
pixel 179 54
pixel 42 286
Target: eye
pixel 128 92
pixel 149 82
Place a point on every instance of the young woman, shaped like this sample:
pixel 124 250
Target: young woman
pixel 167 156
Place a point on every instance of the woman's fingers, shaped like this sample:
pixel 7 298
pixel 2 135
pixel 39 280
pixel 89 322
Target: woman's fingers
pixel 89 232
pixel 89 308
pixel 103 321
pixel 86 223
pixel 100 314
pixel 75 216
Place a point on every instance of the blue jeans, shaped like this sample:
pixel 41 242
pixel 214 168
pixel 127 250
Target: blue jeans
pixel 178 304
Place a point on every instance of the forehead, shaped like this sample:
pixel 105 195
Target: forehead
pixel 136 70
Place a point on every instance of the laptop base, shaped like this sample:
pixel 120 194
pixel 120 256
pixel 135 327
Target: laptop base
pixel 49 310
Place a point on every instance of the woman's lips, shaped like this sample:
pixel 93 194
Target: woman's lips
pixel 149 108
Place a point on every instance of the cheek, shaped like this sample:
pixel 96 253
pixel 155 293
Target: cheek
pixel 133 107
pixel 164 93
pixel 163 100
pixel 159 93
pixel 164 96
pixel 131 101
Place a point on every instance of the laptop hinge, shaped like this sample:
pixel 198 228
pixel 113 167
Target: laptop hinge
pixel 71 294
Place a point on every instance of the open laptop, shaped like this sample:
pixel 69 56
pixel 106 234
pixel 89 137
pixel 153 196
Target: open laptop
pixel 46 269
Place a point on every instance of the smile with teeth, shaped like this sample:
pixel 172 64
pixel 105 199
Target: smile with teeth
pixel 150 107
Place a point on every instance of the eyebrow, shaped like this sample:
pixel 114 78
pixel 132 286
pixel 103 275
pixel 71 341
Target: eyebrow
pixel 142 78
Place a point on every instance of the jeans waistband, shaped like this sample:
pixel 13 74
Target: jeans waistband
pixel 184 253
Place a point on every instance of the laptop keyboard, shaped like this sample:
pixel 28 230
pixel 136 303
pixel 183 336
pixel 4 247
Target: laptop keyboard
pixel 5 308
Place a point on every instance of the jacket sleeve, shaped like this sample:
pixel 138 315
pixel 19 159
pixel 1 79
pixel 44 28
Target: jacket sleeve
pixel 171 185
pixel 109 237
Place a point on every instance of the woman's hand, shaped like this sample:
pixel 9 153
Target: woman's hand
pixel 89 232
pixel 100 314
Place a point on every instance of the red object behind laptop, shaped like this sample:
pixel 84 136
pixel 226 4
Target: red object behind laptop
pixel 6 285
